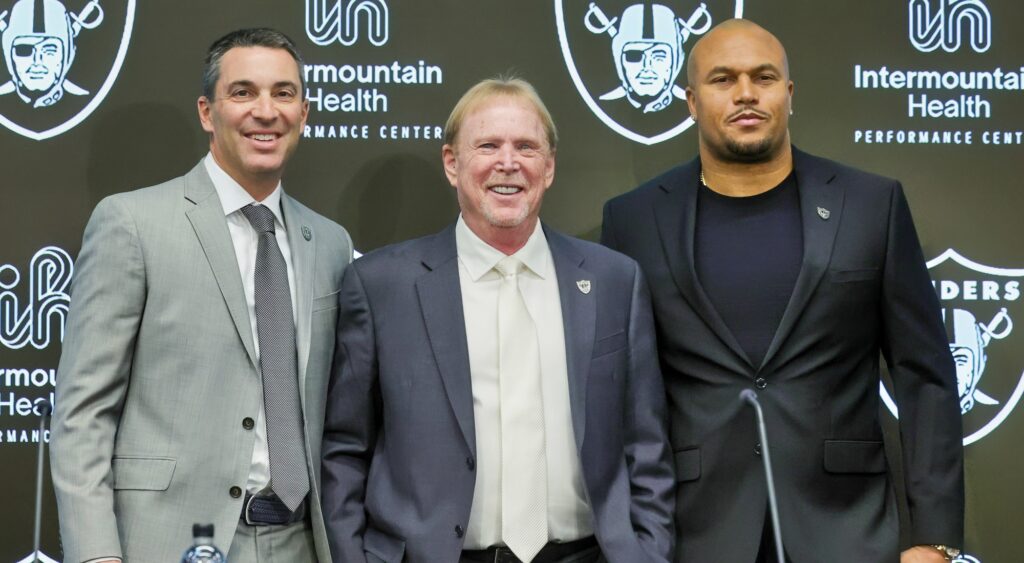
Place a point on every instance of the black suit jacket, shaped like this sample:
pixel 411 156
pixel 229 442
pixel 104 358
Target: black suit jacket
pixel 863 288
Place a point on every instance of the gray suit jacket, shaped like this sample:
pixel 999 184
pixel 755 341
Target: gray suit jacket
pixel 158 371
pixel 399 438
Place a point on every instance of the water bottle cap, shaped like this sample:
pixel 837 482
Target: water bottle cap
pixel 202 530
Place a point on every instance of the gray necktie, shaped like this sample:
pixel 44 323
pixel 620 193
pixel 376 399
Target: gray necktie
pixel 275 328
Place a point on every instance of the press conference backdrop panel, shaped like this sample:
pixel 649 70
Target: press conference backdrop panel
pixel 927 91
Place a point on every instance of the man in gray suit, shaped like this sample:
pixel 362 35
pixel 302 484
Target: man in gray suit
pixel 496 393
pixel 191 385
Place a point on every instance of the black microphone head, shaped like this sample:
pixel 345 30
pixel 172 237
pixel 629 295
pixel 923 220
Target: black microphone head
pixel 44 408
pixel 748 395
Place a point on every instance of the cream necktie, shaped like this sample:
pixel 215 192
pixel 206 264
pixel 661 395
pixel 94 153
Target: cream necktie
pixel 524 479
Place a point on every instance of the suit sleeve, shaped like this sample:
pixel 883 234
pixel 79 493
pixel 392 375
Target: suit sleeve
pixel 648 453
pixel 608 228
pixel 108 297
pixel 917 352
pixel 351 422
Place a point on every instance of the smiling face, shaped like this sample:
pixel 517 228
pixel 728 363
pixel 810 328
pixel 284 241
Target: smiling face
pixel 500 164
pixel 740 93
pixel 256 116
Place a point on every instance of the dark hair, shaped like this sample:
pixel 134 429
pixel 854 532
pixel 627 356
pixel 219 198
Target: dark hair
pixel 252 37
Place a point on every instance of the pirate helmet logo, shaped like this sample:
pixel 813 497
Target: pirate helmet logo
pixel 39 48
pixel 647 48
pixel 967 341
pixel 646 41
pixel 40 40
pixel 979 306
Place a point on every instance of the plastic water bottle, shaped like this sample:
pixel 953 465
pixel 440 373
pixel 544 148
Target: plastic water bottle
pixel 203 550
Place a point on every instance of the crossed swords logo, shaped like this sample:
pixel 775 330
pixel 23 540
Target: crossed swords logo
pixel 597 22
pixel 90 17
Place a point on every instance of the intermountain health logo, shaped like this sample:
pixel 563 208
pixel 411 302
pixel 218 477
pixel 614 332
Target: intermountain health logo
pixel 62 58
pixel 942 23
pixel 328 21
pixel 38 319
pixel 626 59
pixel 980 306
pixel 353 97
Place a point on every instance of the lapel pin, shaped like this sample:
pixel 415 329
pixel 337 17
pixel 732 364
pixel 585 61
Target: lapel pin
pixel 584 286
pixel 824 213
pixel 308 234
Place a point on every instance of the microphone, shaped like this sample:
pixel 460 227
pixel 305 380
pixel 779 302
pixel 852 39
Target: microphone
pixel 44 409
pixel 750 397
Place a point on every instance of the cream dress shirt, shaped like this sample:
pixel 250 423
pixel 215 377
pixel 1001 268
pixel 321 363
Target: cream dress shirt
pixel 569 515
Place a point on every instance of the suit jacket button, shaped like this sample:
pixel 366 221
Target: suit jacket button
pixel 757 449
pixel 248 423
pixel 470 463
pixel 235 492
pixel 459 530
pixel 761 383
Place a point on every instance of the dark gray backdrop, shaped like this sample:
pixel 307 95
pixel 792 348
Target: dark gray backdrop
pixel 965 197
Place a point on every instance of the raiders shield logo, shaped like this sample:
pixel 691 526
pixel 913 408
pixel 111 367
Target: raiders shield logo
pixel 980 307
pixel 627 57
pixel 62 57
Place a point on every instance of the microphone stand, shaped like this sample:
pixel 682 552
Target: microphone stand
pixel 44 412
pixel 750 397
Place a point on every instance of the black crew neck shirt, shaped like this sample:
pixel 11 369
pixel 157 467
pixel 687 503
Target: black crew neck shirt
pixel 747 253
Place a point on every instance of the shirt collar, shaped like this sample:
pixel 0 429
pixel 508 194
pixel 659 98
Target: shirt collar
pixel 234 197
pixel 480 257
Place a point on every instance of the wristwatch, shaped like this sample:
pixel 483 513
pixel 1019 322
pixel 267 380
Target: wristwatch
pixel 950 553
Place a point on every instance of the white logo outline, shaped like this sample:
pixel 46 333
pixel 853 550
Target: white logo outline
pixel 37 556
pixel 563 40
pixel 95 102
pixel 928 31
pixel 328 21
pixel 1011 402
pixel 50 272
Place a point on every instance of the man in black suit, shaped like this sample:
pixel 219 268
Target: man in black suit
pixel 777 271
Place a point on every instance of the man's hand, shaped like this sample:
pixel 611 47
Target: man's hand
pixel 922 554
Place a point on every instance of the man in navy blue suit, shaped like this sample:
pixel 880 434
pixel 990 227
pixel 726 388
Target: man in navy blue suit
pixel 496 394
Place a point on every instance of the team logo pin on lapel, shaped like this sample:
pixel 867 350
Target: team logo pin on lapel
pixel 306 233
pixel 824 213
pixel 584 286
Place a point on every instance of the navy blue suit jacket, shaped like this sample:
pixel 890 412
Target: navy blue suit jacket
pixel 399 443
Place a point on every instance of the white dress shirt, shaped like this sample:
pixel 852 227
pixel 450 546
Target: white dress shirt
pixel 569 515
pixel 245 240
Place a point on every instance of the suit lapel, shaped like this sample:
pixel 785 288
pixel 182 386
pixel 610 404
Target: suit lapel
pixel 821 208
pixel 579 315
pixel 676 216
pixel 211 227
pixel 440 296
pixel 303 264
